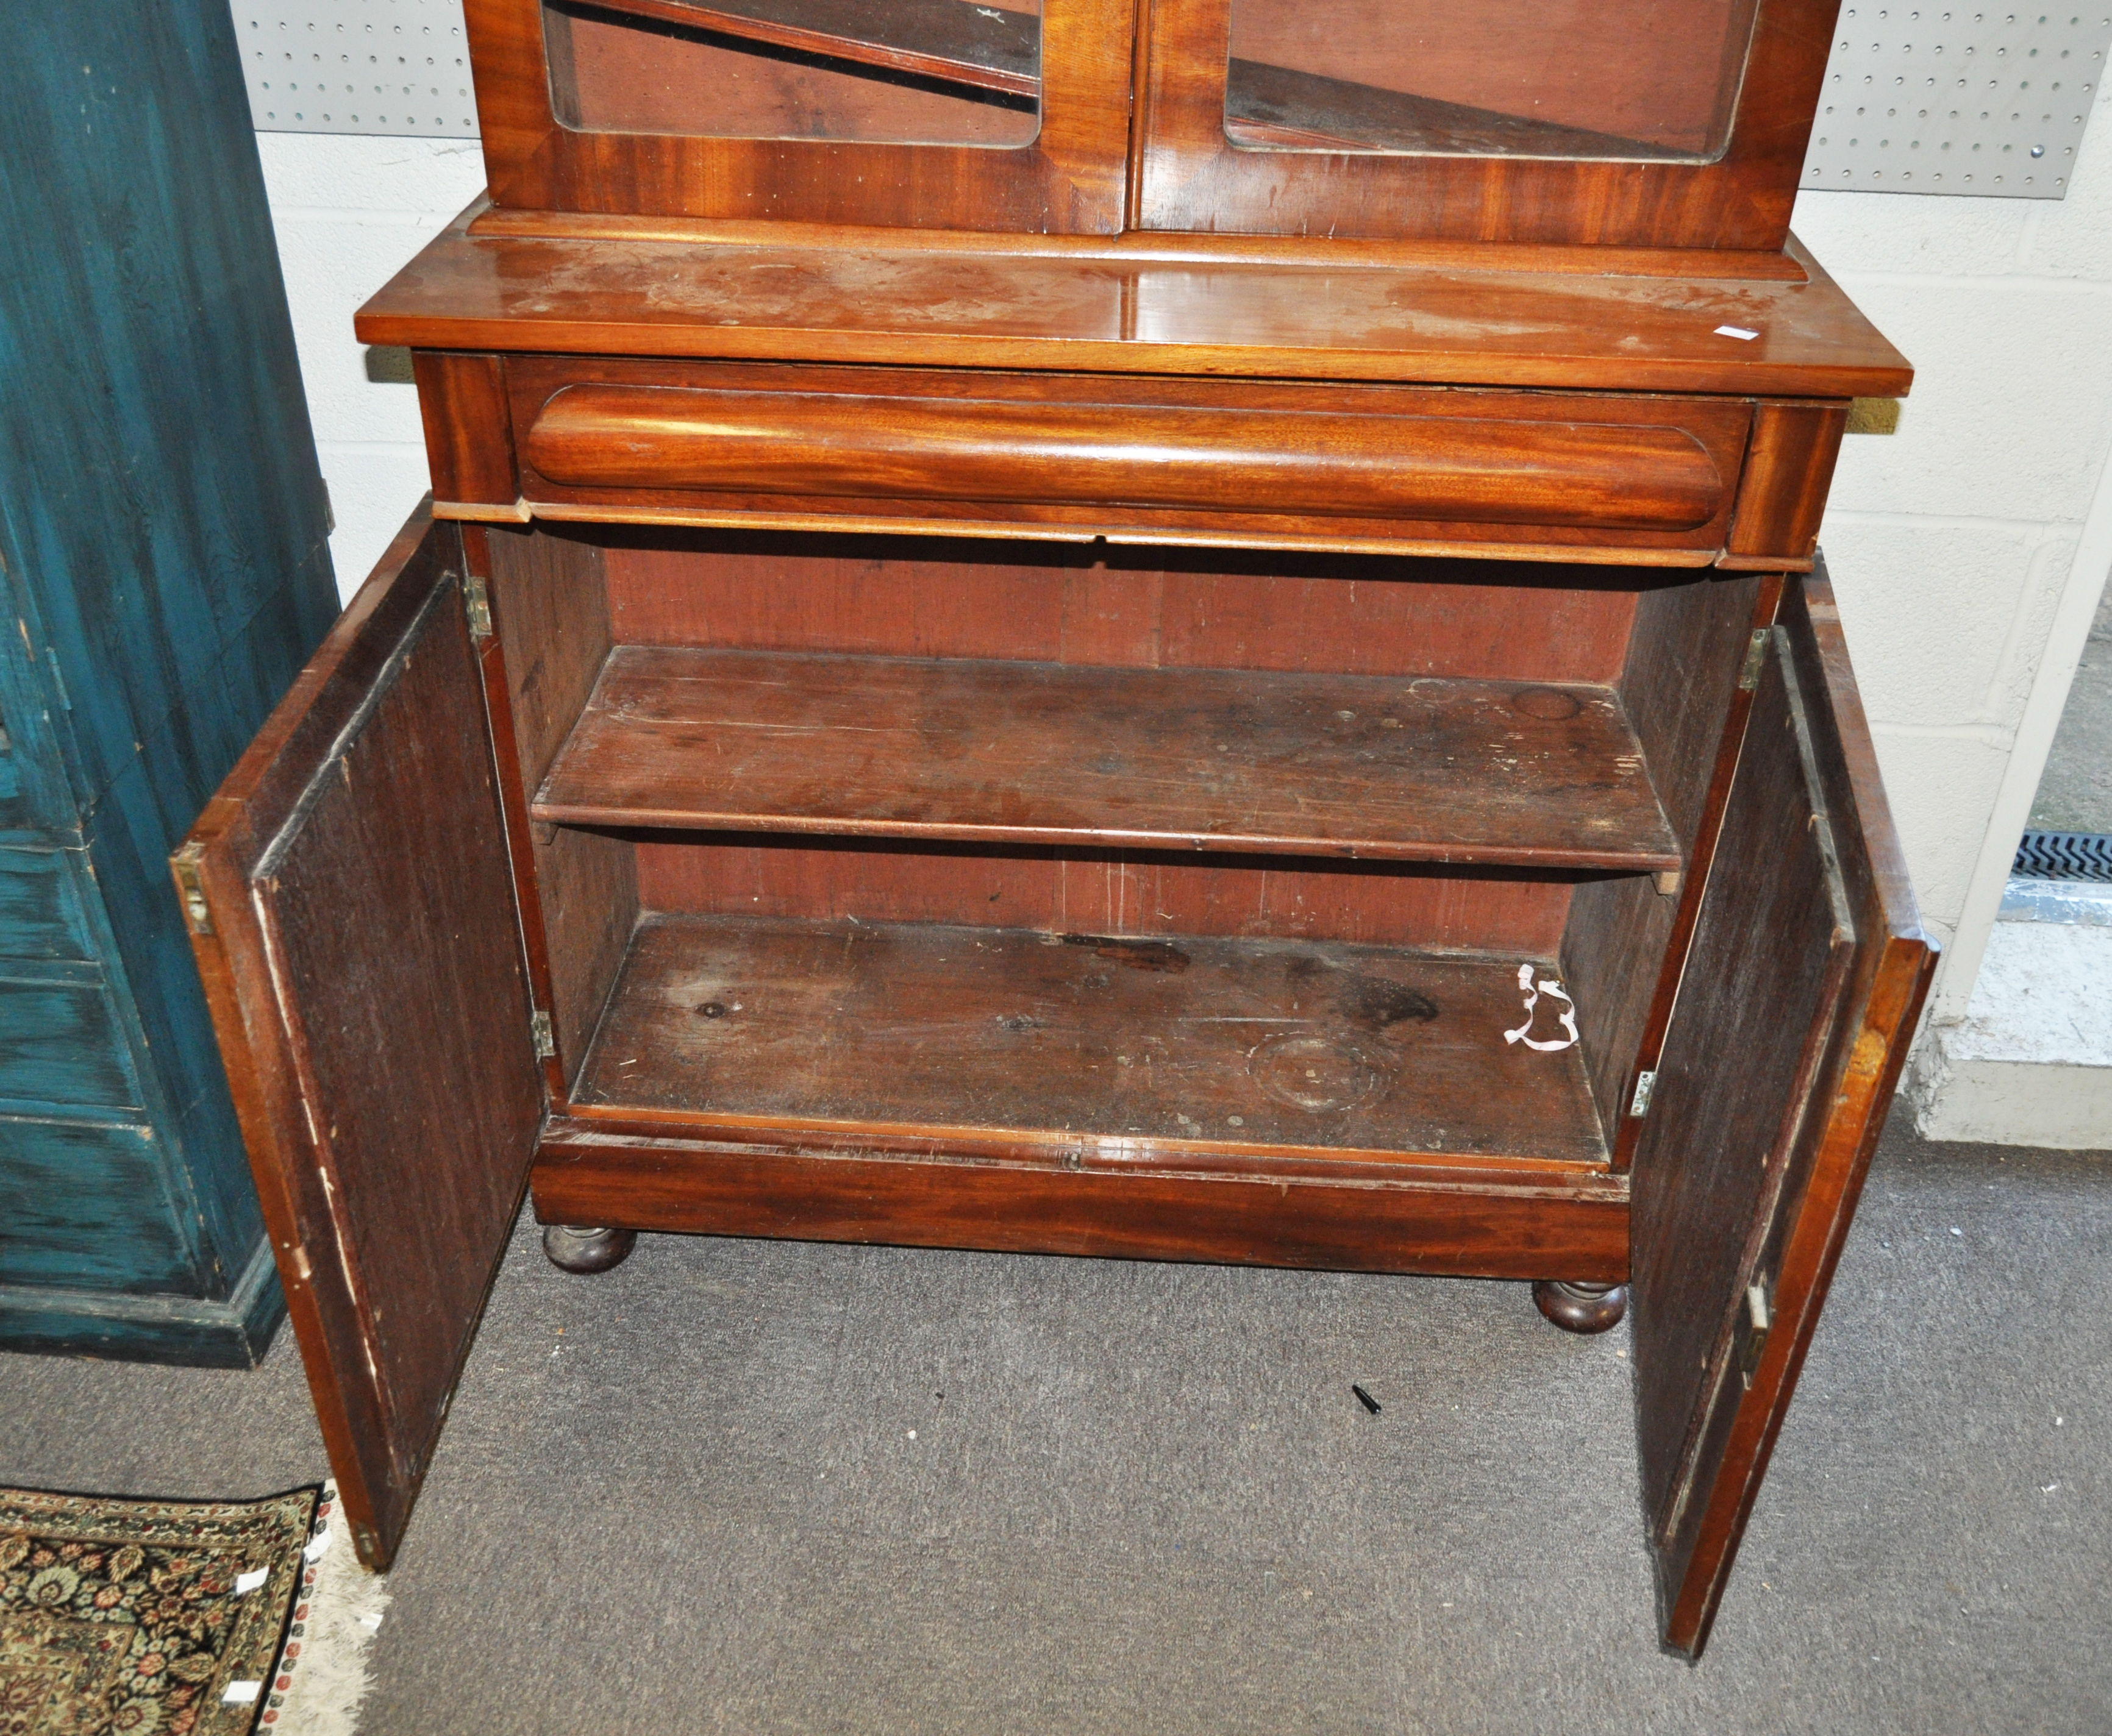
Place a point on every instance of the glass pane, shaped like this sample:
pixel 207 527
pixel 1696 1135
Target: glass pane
pixel 1647 79
pixel 887 71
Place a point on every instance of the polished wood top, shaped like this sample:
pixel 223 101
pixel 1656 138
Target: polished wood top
pixel 1595 319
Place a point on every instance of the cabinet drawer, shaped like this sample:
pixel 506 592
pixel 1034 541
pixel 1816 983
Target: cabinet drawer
pixel 1142 460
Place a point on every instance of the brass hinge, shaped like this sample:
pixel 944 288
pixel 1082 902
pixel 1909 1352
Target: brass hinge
pixel 546 1037
pixel 190 887
pixel 1756 655
pixel 1646 1083
pixel 1752 1332
pixel 477 600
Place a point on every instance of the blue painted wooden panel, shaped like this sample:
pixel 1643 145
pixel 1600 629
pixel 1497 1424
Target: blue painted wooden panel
pixel 41 912
pixel 187 498
pixel 165 1327
pixel 46 1167
pixel 162 532
pixel 62 1042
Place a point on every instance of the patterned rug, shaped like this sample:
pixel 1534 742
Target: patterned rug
pixel 139 1617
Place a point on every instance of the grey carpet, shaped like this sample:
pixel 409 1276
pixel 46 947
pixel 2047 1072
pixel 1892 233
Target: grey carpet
pixel 685 1496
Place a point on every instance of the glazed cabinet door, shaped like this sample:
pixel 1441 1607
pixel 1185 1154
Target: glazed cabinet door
pixel 352 908
pixel 1680 124
pixel 1799 999
pixel 933 114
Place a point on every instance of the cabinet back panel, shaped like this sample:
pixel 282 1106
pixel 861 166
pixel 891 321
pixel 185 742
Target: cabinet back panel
pixel 1107 892
pixel 1082 603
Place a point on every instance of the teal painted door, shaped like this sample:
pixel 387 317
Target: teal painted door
pixel 162 530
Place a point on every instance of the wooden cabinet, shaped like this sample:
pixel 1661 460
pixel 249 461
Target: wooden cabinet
pixel 1171 745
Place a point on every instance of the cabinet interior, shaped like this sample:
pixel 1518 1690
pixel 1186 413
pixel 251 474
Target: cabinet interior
pixel 958 840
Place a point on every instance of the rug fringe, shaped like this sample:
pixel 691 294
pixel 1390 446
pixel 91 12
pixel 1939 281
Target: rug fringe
pixel 325 1668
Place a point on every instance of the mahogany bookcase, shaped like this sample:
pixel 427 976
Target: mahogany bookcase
pixel 1097 630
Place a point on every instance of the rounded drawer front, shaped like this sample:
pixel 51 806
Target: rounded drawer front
pixel 1470 468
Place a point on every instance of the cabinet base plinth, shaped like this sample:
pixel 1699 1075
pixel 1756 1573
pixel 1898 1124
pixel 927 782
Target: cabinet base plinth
pixel 1401 1222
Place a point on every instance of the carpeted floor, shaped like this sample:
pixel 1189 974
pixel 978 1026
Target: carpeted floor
pixel 687 1497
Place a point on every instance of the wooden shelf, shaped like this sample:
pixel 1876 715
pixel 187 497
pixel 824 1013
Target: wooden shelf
pixel 1345 1051
pixel 1406 769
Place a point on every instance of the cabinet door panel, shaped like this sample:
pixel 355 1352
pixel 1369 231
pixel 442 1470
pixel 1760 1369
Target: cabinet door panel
pixel 353 915
pixel 933 114
pixel 1800 995
pixel 1488 120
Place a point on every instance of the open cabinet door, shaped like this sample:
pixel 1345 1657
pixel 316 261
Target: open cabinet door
pixel 352 911
pixel 1798 1001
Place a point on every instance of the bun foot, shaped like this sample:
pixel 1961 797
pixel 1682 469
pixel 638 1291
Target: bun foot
pixel 1581 1307
pixel 575 1247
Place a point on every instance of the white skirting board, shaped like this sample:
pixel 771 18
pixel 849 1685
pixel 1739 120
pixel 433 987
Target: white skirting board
pixel 2031 1063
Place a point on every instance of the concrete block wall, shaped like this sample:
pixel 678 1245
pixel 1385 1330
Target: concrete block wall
pixel 1970 549
pixel 1963 547
pixel 349 212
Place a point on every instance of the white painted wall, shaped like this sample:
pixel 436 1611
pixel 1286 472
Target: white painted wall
pixel 1969 550
pixel 1958 545
pixel 350 211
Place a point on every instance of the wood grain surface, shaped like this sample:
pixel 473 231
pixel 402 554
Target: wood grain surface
pixel 1509 465
pixel 1109 892
pixel 1067 179
pixel 1521 622
pixel 1621 479
pixel 1190 175
pixel 1273 1046
pixel 1794 1245
pixel 1447 315
pixel 578 890
pixel 1424 1219
pixel 630 74
pixel 363 966
pixel 1625 944
pixel 1012 752
pixel 1655 85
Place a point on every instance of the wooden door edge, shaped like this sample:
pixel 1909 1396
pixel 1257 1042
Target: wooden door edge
pixel 1867 1077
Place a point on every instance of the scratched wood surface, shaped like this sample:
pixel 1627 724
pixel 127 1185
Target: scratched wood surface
pixel 1253 1042
pixel 541 150
pixel 1047 753
pixel 1707 1441
pixel 1452 315
pixel 362 962
pixel 1116 1203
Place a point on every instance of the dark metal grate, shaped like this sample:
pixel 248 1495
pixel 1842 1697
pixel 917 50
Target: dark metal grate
pixel 2064 856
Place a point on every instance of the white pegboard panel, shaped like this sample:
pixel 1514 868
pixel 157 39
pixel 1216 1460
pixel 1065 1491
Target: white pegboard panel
pixel 399 67
pixel 1934 99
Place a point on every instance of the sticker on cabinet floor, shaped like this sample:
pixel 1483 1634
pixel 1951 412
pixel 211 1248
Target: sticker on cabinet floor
pixel 1566 1018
